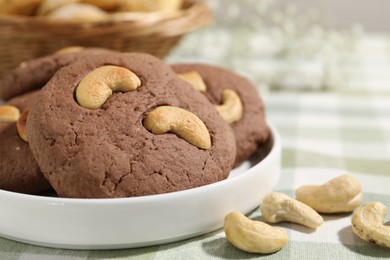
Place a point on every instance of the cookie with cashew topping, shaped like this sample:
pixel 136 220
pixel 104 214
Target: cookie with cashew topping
pixel 237 101
pixel 112 148
pixel 19 172
pixel 33 74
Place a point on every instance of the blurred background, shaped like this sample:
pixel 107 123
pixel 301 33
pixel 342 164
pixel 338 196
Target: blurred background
pixel 297 45
pixel 294 45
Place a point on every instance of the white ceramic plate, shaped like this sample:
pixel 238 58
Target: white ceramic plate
pixel 139 221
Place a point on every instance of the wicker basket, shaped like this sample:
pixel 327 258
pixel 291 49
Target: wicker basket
pixel 24 38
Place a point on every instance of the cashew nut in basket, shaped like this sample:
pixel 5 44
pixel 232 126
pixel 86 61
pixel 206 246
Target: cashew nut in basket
pixel 69 49
pixel 78 12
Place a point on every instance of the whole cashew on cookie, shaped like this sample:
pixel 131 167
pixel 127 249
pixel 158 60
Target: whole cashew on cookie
pixel 367 223
pixel 231 108
pixel 9 113
pixel 12 114
pixel 341 194
pixel 98 85
pixel 179 121
pixel 194 79
pixel 21 125
pixel 277 207
pixel 253 236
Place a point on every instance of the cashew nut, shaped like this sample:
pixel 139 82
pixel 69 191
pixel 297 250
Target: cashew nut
pixel 253 236
pixel 195 79
pixel 98 85
pixel 21 125
pixel 181 122
pixel 341 194
pixel 106 5
pixel 367 223
pixel 9 113
pixel 231 108
pixel 277 207
pixel 48 6
pixel 150 5
pixel 69 49
pixel 78 12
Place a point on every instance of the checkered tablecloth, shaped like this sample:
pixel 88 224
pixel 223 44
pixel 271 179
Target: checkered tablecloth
pixel 324 135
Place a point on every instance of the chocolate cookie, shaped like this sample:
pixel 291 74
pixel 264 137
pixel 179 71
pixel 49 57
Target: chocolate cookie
pixel 34 74
pixel 249 126
pixel 154 134
pixel 19 171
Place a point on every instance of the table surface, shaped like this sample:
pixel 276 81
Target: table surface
pixel 325 132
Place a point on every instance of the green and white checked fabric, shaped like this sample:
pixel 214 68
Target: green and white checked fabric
pixel 323 135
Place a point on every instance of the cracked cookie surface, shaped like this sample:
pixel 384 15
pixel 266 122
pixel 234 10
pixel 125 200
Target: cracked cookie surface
pixel 251 130
pixel 107 152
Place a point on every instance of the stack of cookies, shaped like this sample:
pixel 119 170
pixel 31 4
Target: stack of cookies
pixel 95 123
